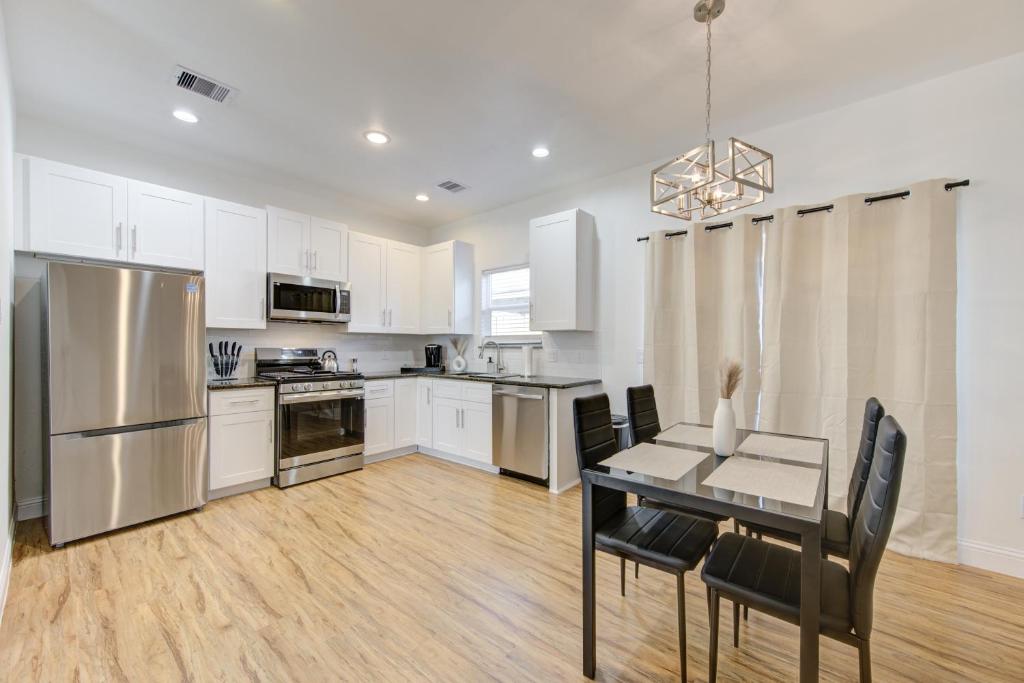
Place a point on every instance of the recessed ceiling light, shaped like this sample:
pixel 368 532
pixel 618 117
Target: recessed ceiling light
pixel 540 152
pixel 422 198
pixel 185 115
pixel 377 137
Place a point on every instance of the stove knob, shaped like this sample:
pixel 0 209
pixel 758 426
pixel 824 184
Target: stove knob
pixel 308 386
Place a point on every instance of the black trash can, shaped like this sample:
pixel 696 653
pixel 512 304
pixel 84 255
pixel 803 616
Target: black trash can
pixel 620 423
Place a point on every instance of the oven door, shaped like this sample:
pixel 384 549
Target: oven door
pixel 308 299
pixel 317 426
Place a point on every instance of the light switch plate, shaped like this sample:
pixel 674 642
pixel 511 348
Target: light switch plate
pixel 639 356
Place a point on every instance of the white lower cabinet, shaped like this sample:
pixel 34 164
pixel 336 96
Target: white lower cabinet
pixel 241 436
pixel 449 416
pixel 379 427
pixel 447 425
pixel 462 419
pixel 476 431
pixel 405 412
pixel 425 413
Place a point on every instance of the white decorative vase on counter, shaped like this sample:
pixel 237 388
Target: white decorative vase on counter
pixel 723 428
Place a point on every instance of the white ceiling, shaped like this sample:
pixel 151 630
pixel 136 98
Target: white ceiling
pixel 466 88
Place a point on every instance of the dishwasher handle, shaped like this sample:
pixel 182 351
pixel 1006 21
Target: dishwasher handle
pixel 531 397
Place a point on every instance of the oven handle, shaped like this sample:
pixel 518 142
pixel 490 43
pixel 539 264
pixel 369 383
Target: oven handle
pixel 315 396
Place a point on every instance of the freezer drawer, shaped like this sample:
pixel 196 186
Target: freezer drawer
pixel 107 481
pixel 519 430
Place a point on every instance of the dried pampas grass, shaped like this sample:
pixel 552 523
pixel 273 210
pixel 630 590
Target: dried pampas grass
pixel 730 374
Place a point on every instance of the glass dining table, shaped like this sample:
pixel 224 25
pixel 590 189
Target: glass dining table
pixel 741 487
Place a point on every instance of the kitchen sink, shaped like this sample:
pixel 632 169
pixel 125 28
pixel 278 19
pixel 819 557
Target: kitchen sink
pixel 491 375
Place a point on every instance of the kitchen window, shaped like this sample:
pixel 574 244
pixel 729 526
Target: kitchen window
pixel 505 297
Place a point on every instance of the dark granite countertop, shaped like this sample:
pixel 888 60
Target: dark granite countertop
pixel 543 381
pixel 239 383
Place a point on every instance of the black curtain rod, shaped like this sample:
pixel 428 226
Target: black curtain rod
pixel 828 207
pixel 667 235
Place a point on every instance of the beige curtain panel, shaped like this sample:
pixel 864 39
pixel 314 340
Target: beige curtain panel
pixel 824 310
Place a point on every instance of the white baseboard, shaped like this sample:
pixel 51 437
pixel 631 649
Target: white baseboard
pixel 565 487
pixel 458 459
pixel 30 508
pixel 991 557
pixel 6 562
pixel 387 455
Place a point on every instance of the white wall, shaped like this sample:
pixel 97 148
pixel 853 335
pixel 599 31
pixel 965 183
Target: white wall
pixel 51 141
pixel 963 125
pixel 6 310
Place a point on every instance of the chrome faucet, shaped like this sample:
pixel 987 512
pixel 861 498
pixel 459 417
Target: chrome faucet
pixel 497 354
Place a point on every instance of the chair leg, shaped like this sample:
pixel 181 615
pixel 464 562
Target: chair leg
pixel 622 575
pixel 864 650
pixel 713 628
pixel 681 612
pixel 636 570
pixel 735 624
pixel 735 526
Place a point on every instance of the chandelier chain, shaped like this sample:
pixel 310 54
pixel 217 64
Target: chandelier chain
pixel 707 89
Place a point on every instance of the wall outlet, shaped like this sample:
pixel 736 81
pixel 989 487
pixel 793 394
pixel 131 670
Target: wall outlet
pixel 551 355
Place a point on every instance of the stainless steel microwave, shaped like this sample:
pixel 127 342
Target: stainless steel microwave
pixel 307 299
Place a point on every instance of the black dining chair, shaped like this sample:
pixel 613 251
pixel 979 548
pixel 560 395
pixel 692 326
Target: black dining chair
pixel 661 539
pixel 644 425
pixel 837 526
pixel 766 576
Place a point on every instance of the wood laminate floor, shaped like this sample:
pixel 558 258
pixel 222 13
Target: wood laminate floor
pixel 417 569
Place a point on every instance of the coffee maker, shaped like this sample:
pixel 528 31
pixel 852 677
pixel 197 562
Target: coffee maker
pixel 434 354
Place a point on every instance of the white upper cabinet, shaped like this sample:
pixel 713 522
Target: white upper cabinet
pixel 287 242
pixel 301 245
pixel 367 271
pixel 562 256
pixel 328 246
pixel 165 227
pixel 236 265
pixel 403 288
pixel 87 214
pixel 76 212
pixel 446 294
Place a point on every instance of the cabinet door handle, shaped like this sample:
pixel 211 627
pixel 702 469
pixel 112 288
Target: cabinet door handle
pixel 382 318
pixel 135 240
pixel 316 260
pixel 245 402
pixel 263 308
pixel 449 317
pixel 270 431
pixel 118 237
pixel 428 396
pixel 389 317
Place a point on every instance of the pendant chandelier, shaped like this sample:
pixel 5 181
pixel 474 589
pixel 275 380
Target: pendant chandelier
pixel 698 184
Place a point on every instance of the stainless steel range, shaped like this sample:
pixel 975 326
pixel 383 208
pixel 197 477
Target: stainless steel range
pixel 319 414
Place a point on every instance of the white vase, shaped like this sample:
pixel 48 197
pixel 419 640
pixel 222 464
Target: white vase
pixel 723 429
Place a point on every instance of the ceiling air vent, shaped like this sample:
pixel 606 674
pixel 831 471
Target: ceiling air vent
pixel 452 186
pixel 202 85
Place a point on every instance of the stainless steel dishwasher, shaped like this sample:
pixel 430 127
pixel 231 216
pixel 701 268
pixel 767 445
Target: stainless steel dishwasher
pixel 519 424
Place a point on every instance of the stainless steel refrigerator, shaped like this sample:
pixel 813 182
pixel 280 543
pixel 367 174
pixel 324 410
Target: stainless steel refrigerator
pixel 124 382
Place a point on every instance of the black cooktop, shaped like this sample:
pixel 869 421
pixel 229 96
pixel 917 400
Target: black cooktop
pixel 306 373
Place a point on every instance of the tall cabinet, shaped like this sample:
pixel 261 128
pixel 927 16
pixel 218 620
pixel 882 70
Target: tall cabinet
pixel 236 265
pixel 447 289
pixel 385 277
pixel 562 265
